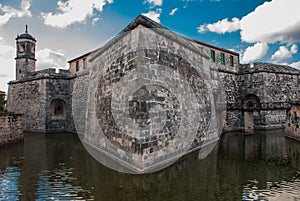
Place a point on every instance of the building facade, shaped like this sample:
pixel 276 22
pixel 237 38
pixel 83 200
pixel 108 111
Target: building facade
pixel 43 97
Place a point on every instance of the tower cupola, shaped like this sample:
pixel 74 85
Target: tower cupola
pixel 25 58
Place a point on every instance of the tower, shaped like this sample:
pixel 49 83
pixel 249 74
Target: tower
pixel 25 59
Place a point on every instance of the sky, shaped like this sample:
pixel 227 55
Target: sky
pixel 259 30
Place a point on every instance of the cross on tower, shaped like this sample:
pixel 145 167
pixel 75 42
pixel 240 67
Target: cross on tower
pixel 26 28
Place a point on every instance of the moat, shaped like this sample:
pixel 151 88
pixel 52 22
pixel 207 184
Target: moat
pixel 263 166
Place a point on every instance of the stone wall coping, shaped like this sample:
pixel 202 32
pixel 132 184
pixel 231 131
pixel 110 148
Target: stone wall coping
pixel 267 68
pixel 295 102
pixel 53 77
pixel 14 114
pixel 158 30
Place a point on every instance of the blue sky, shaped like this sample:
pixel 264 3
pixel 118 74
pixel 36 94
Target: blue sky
pixel 267 31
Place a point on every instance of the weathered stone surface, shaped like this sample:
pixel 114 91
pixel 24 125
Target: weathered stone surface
pixel 35 96
pixel 156 58
pixel 273 86
pixel 10 128
pixel 292 128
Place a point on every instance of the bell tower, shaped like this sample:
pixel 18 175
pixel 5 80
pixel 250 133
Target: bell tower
pixel 25 59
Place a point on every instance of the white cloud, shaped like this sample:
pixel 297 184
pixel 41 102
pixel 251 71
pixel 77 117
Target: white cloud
pixel 255 52
pixel 173 11
pixel 155 2
pixel 95 20
pixel 154 15
pixel 73 11
pixel 273 21
pixel 7 54
pixel 221 26
pixel 283 53
pixel 47 58
pixel 10 12
pixel 294 49
pixel 270 22
pixel 295 64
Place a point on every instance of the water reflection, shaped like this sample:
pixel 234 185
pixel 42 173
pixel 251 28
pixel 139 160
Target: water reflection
pixel 45 167
pixel 9 183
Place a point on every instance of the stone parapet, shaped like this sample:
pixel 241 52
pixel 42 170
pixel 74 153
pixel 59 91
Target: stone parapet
pixel 10 128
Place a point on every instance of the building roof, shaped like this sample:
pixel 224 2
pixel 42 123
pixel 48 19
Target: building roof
pixel 149 23
pixel 2 92
pixel 25 35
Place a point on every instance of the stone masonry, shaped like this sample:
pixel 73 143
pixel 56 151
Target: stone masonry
pixel 292 128
pixel 10 128
pixel 261 91
pixel 150 76
pixel 44 97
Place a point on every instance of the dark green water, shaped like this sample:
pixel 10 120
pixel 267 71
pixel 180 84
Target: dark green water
pixel 263 166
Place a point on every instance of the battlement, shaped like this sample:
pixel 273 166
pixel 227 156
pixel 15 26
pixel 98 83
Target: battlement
pixel 268 68
pixel 49 73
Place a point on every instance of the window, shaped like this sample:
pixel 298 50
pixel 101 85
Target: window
pixel 77 66
pixel 32 49
pixel 84 63
pixel 222 58
pixel 231 61
pixel 58 109
pixel 212 56
pixel 21 47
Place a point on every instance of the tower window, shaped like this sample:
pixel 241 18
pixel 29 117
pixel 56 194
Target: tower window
pixel 212 56
pixel 32 49
pixel 84 63
pixel 222 58
pixel 231 61
pixel 77 66
pixel 21 47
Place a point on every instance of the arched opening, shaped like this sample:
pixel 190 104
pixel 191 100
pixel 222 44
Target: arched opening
pixel 57 109
pixel 251 106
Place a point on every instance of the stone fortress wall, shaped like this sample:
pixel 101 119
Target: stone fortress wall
pixel 265 91
pixel 10 128
pixel 257 97
pixel 292 128
pixel 45 99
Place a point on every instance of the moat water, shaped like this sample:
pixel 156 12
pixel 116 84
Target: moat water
pixel 264 166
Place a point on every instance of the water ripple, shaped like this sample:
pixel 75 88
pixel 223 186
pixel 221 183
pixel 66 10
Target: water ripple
pixel 275 190
pixel 59 185
pixel 9 188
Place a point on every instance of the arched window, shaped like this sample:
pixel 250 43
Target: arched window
pixel 57 109
pixel 251 102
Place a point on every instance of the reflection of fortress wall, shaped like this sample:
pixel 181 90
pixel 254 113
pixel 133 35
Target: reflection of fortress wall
pixel 293 152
